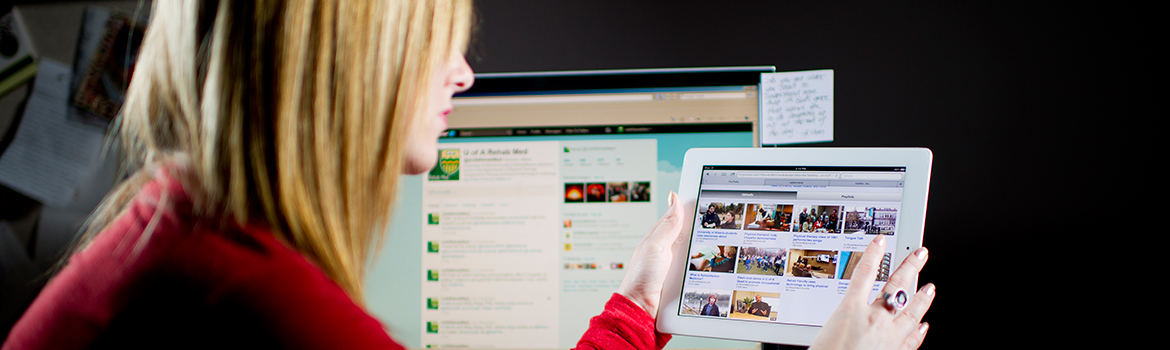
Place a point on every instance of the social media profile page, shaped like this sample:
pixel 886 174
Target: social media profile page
pixel 526 241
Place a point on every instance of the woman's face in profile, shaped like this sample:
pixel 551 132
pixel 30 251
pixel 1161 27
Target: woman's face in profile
pixel 422 143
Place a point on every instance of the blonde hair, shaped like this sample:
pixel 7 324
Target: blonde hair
pixel 293 114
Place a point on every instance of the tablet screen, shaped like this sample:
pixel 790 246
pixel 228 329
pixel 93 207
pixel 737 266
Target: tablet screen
pixel 779 243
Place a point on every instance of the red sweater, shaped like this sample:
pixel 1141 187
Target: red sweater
pixel 189 285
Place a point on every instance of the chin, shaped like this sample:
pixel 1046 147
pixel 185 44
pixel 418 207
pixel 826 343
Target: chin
pixel 418 164
pixel 422 153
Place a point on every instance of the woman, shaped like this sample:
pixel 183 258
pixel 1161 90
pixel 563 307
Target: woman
pixel 711 309
pixel 269 137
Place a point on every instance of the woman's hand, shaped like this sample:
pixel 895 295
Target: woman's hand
pixel 651 260
pixel 859 325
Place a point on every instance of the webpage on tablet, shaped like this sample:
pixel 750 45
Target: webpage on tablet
pixel 779 243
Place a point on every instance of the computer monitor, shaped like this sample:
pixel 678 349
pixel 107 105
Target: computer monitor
pixel 545 184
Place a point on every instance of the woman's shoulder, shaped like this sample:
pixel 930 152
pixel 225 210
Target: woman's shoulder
pixel 224 258
pixel 158 262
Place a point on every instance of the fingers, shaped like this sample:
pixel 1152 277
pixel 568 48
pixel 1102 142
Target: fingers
pixel 866 270
pixel 912 315
pixel 906 276
pixel 669 227
pixel 914 339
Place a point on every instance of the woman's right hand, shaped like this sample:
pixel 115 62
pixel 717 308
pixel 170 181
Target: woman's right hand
pixel 857 324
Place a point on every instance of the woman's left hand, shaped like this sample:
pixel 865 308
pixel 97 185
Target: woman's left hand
pixel 651 260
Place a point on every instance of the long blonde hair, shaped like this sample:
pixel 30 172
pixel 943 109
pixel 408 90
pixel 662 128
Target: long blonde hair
pixel 288 114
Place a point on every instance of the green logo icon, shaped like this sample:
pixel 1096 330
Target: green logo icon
pixel 448 167
pixel 432 218
pixel 432 327
pixel 432 303
pixel 432 275
pixel 432 247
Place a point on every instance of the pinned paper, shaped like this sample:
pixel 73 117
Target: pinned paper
pixel 50 154
pixel 796 107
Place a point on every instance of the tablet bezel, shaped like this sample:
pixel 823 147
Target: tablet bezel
pixel 910 224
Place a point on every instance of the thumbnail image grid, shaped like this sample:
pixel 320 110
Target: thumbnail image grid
pixel 871 220
pixel 728 216
pixel 607 192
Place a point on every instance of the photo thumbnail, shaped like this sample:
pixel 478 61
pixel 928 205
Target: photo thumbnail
pixel 705 303
pixel 850 260
pixel 595 192
pixel 715 258
pixel 759 306
pixel 768 217
pixel 812 263
pixel 721 215
pixel 574 193
pixel 870 220
pixel 762 261
pixel 607 192
pixel 819 218
pixel 619 191
pixel 640 192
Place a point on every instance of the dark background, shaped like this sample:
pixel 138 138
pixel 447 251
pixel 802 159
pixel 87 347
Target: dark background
pixel 1008 97
pixel 1012 99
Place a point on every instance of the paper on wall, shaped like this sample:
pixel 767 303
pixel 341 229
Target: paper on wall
pixel 796 107
pixel 50 154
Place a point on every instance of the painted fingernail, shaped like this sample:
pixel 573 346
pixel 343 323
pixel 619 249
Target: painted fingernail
pixel 921 253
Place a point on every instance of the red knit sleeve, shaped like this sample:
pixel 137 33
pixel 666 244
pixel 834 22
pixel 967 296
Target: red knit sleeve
pixel 622 325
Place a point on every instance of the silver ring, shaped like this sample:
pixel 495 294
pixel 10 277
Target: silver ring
pixel 897 300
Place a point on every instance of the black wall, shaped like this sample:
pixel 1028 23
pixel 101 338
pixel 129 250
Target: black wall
pixel 998 93
pixel 1009 98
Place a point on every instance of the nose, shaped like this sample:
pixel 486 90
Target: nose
pixel 460 76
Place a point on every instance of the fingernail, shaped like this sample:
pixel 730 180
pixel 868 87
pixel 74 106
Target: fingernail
pixel 922 327
pixel 920 253
pixel 670 199
pixel 880 240
pixel 929 290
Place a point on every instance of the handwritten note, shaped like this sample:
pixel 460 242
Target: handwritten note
pixel 50 154
pixel 796 107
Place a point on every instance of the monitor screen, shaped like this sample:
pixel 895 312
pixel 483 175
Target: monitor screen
pixel 544 185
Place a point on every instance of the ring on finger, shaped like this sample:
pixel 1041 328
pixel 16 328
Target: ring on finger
pixel 895 301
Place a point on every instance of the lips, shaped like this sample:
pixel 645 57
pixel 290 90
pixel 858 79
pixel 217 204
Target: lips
pixel 443 119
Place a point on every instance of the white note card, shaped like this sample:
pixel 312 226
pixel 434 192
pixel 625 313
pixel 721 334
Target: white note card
pixel 50 154
pixel 796 107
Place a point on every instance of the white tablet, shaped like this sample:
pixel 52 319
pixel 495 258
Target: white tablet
pixel 774 235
